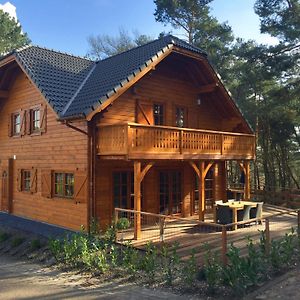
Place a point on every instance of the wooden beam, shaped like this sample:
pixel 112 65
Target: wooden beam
pixel 247 180
pixel 145 170
pixel 209 88
pixel 137 199
pixel 4 93
pixel 202 192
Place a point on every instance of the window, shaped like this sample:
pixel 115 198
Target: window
pixel 26 179
pixel 180 117
pixel 16 118
pixel 35 120
pixel 64 185
pixel 158 113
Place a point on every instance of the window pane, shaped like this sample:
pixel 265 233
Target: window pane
pixel 59 184
pixel 158 112
pixel 16 123
pixel 69 185
pixel 25 180
pixel 36 119
pixel 180 117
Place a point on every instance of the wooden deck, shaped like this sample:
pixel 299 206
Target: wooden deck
pixel 191 235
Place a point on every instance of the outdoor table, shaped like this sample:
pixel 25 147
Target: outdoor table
pixel 235 206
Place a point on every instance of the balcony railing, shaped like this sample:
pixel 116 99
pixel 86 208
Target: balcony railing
pixel 161 142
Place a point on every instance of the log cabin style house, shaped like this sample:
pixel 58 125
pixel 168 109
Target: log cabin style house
pixel 149 129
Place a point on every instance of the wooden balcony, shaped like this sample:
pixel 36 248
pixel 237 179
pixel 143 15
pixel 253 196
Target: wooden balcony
pixel 136 141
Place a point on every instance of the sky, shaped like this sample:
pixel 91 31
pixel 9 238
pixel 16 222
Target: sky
pixel 64 25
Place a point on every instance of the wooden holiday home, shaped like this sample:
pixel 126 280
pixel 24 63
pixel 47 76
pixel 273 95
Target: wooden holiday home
pixel 149 129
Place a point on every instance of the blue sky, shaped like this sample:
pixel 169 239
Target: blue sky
pixel 65 24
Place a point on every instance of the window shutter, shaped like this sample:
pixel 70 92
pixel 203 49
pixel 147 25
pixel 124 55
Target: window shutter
pixel 43 116
pixel 28 122
pixel 46 183
pixel 23 122
pixel 33 180
pixel 80 187
pixel 19 180
pixel 144 113
pixel 10 126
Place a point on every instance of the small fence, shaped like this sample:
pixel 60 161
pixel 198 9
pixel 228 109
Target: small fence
pixel 194 234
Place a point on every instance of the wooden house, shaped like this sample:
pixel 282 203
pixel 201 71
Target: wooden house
pixel 149 129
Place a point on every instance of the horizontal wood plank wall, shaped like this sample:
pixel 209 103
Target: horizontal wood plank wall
pixel 60 148
pixel 161 87
pixel 219 181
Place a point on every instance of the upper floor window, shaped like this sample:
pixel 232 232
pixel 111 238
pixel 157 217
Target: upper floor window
pixel 180 117
pixel 64 185
pixel 16 119
pixel 35 120
pixel 158 114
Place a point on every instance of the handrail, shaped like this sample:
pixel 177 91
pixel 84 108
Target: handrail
pixel 206 223
pixel 178 129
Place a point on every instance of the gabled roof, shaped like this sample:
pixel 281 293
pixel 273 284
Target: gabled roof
pixel 76 86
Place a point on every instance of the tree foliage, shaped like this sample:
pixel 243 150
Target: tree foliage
pixel 11 35
pixel 201 29
pixel 102 46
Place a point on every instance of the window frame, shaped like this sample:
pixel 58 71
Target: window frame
pixel 185 116
pixel 161 116
pixel 24 179
pixel 64 185
pixel 13 124
pixel 33 120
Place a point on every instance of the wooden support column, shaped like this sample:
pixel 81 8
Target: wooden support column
pixel 247 180
pixel 137 199
pixel 201 172
pixel 139 175
pixel 245 167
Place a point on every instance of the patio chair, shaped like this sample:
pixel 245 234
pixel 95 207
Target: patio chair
pixel 244 215
pixel 218 202
pixel 224 214
pixel 256 212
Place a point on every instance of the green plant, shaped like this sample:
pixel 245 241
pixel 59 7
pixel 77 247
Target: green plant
pixel 55 246
pixel 170 262
pixel 150 261
pixel 212 268
pixel 4 236
pixel 17 241
pixel 94 227
pixel 35 244
pixel 131 259
pixel 190 270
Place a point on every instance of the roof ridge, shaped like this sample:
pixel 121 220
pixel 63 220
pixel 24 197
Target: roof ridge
pixel 56 51
pixel 137 47
pixel 79 89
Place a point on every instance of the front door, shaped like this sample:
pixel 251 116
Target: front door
pixel 170 196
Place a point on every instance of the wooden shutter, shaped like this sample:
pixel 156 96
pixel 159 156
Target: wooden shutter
pixel 43 116
pixel 80 188
pixel 144 113
pixel 19 180
pixel 22 122
pixel 33 180
pixel 46 178
pixel 10 125
pixel 28 122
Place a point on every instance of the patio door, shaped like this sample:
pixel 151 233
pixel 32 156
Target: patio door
pixel 170 195
pixel 208 193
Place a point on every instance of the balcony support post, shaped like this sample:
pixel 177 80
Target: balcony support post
pixel 201 172
pixel 245 167
pixel 139 175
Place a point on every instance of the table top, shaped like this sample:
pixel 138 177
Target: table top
pixel 238 204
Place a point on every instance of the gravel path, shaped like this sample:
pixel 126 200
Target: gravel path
pixel 25 280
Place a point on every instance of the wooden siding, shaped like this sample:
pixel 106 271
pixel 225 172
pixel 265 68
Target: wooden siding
pixel 60 149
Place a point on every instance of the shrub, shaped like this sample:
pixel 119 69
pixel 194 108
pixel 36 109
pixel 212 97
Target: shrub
pixel 35 244
pixel 17 241
pixel 190 270
pixel 150 261
pixel 131 258
pixel 170 262
pixel 4 236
